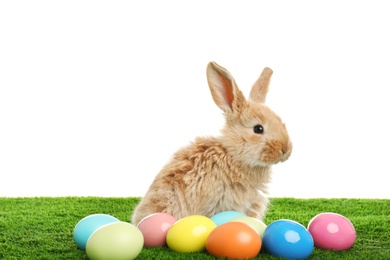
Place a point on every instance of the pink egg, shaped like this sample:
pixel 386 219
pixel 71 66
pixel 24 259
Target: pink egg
pixel 155 227
pixel 332 231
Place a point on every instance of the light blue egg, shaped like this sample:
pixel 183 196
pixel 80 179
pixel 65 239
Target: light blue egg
pixel 85 227
pixel 225 216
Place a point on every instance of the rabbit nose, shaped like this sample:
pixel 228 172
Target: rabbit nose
pixel 286 148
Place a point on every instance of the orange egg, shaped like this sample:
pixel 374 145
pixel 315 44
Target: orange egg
pixel 234 240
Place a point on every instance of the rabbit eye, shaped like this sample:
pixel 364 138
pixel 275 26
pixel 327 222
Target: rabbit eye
pixel 258 129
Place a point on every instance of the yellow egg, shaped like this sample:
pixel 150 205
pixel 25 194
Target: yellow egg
pixel 190 233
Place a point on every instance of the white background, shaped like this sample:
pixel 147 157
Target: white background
pixel 95 96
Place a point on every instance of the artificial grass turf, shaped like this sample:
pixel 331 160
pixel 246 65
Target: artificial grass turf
pixel 42 227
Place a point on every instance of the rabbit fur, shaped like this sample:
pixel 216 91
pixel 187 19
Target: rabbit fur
pixel 228 172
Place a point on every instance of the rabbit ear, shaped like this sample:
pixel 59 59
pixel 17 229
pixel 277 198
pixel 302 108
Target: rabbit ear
pixel 224 89
pixel 260 87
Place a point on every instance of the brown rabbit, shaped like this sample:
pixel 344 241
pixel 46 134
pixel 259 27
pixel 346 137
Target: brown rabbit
pixel 228 172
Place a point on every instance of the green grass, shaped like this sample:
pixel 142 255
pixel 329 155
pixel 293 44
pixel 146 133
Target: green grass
pixel 42 227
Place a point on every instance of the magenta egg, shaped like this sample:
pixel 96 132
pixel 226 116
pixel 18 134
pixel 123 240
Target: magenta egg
pixel 155 227
pixel 332 231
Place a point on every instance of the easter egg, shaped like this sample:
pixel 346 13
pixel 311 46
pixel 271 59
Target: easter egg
pixel 86 226
pixel 234 240
pixel 255 223
pixel 332 231
pixel 287 239
pixel 115 241
pixel 190 233
pixel 155 228
pixel 225 216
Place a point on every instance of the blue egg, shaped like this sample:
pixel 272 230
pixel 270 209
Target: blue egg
pixel 288 239
pixel 88 225
pixel 225 216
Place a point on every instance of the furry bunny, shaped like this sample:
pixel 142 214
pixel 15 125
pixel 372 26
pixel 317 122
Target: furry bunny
pixel 229 172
